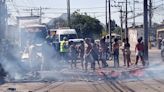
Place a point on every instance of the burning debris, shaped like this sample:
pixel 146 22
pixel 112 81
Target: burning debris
pixel 11 90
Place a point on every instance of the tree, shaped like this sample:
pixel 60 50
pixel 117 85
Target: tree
pixel 86 26
pixel 57 23
pixel 117 30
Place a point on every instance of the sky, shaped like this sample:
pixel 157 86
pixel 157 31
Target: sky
pixel 94 8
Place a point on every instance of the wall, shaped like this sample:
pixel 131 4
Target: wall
pixel 134 34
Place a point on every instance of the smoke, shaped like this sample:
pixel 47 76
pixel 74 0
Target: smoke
pixel 42 62
pixel 31 58
pixel 10 61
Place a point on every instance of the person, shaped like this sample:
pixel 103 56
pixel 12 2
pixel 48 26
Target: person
pixel 116 53
pixel 103 49
pixel 81 53
pixel 123 51
pixel 107 41
pixel 87 57
pixel 95 54
pixel 127 52
pixel 64 49
pixel 73 54
pixel 139 49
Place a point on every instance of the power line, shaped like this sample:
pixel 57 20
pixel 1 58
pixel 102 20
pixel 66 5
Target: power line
pixel 62 8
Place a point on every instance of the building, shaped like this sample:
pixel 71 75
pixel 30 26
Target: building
pixel 160 34
pixel 134 34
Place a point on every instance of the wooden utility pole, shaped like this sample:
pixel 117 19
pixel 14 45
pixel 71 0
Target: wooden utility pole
pixel 134 12
pixel 40 12
pixel 109 24
pixel 106 15
pixel 68 13
pixel 150 22
pixel 146 33
pixel 121 22
pixel 126 20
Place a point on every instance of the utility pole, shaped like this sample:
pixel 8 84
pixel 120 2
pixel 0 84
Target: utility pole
pixel 31 12
pixel 109 25
pixel 150 22
pixel 134 13
pixel 126 20
pixel 121 19
pixel 106 15
pixel 145 6
pixel 68 13
pixel 40 12
pixel 150 13
pixel 121 22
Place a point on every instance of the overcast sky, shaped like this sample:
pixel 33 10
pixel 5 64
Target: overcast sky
pixel 95 8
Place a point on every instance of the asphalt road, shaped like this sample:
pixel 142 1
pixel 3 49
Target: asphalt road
pixel 133 79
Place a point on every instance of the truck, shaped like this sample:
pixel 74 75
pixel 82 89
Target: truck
pixel 32 40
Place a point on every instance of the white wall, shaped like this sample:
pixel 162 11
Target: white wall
pixel 134 34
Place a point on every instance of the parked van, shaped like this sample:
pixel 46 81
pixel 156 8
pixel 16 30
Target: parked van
pixel 59 34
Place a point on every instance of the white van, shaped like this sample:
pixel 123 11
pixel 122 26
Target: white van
pixel 61 33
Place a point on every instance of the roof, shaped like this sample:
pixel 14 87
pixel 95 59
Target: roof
pixel 66 31
pixel 137 26
pixel 34 25
pixel 160 26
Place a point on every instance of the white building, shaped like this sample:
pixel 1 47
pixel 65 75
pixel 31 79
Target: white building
pixel 134 34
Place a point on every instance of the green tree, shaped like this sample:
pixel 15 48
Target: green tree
pixel 86 26
pixel 117 30
pixel 57 23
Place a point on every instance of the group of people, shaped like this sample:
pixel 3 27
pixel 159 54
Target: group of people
pixel 90 52
pixel 139 50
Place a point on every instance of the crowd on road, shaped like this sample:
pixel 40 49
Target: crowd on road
pixel 97 53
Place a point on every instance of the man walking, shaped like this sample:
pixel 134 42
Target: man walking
pixel 103 54
pixel 139 49
pixel 87 57
pixel 116 53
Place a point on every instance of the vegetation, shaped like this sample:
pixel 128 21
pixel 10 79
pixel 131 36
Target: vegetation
pixel 85 25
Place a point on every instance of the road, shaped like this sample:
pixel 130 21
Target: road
pixel 134 79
